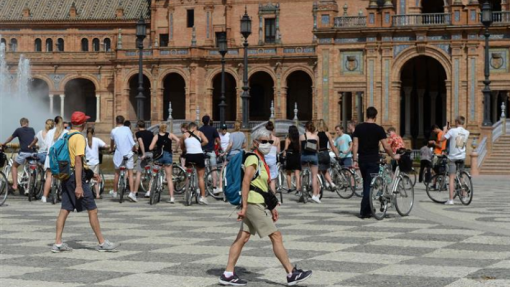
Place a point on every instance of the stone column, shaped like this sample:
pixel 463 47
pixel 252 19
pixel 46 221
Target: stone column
pixel 62 97
pixel 360 106
pixel 98 108
pixel 407 92
pixel 344 110
pixel 421 94
pixel 495 116
pixel 443 115
pixel 281 113
pixel 433 96
pixel 51 104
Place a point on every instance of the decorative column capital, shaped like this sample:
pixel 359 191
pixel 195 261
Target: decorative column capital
pixel 408 91
pixel 421 93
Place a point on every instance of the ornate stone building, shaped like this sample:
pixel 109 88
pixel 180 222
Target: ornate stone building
pixel 418 62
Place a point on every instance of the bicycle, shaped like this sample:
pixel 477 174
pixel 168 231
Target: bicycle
pixel 209 178
pixel 441 182
pixel 56 191
pixel 32 173
pixel 4 188
pixel 156 183
pixel 306 183
pixel 344 180
pixel 386 190
pixel 123 184
pixel 192 189
pixel 93 184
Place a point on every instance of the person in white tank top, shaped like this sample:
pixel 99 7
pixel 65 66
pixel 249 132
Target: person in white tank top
pixel 192 143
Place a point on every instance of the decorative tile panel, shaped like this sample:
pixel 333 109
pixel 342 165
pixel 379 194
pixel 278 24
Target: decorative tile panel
pixel 350 40
pixel 325 85
pixel 386 88
pixel 456 83
pixel 472 90
pixel 438 37
pixel 325 40
pixel 499 60
pixel 371 81
pixel 325 19
pixel 351 63
pixel 398 49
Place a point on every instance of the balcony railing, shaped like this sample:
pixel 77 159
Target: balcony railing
pixel 501 17
pixel 351 21
pixel 431 19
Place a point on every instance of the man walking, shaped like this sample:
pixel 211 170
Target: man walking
pixel 367 137
pixel 122 139
pixel 76 194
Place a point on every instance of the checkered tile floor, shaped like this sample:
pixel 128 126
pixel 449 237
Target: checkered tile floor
pixel 175 245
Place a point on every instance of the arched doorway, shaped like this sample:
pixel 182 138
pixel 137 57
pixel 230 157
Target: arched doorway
pixel 432 6
pixel 423 98
pixel 80 95
pixel 133 92
pixel 39 92
pixel 261 95
pixel 174 91
pixel 300 91
pixel 230 97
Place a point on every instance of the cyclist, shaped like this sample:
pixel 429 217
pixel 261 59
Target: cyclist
pixel 40 138
pixel 367 138
pixel 271 156
pixel 192 143
pixel 344 145
pixel 396 142
pixel 25 135
pixel 255 218
pixel 144 140
pixel 224 142
pixel 309 146
pixel 458 137
pixel 292 155
pixel 76 194
pixel 439 148
pixel 212 138
pixel 324 158
pixel 122 139
pixel 163 141
pixel 51 137
pixel 92 156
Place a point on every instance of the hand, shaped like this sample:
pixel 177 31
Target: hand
pixel 143 157
pixel 79 192
pixel 274 212
pixel 396 156
pixel 241 214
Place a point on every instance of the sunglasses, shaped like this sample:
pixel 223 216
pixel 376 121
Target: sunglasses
pixel 266 141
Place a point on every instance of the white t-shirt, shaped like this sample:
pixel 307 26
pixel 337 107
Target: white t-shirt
pixel 50 142
pixel 458 139
pixel 41 140
pixel 224 141
pixel 124 142
pixel 92 153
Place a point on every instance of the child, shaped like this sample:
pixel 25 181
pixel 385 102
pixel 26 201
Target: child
pixel 425 163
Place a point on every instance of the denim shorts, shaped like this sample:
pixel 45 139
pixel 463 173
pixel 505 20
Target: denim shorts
pixel 166 159
pixel 313 159
pixel 346 162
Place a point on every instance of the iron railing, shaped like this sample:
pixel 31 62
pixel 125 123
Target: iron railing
pixel 351 21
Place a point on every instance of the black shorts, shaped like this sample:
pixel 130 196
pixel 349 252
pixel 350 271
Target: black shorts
pixel 69 201
pixel 198 159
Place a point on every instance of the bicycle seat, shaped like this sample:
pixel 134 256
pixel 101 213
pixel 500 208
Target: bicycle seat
pixel 125 158
pixel 459 161
pixel 206 156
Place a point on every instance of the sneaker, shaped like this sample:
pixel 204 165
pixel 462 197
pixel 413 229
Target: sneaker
pixel 326 185
pixel 232 281
pixel 43 199
pixel 132 197
pixel 203 200
pixel 449 202
pixel 62 248
pixel 316 199
pixel 217 190
pixel 147 194
pixel 171 200
pixel 113 194
pixel 107 246
pixel 297 276
pixel 333 185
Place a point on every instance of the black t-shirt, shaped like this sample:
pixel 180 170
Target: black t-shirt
pixel 369 135
pixel 146 137
pixel 165 142
pixel 211 134
pixel 25 137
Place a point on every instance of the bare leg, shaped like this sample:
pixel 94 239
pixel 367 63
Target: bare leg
pixel 298 179
pixel 289 180
pixel 116 180
pixel 214 177
pixel 94 223
pixel 328 177
pixel 315 185
pixel 201 183
pixel 235 249
pixel 138 179
pixel 168 172
pixel 47 183
pixel 131 181
pixel 61 221
pixel 452 185
pixel 279 251
pixel 14 173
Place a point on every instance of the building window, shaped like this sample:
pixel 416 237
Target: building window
pixel 84 45
pixel 95 45
pixel 163 40
pixel 2 41
pixel 107 45
pixel 191 18
pixel 49 45
pixel 38 45
pixel 14 45
pixel 60 45
pixel 270 30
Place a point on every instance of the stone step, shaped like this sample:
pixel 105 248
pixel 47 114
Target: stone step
pixel 487 172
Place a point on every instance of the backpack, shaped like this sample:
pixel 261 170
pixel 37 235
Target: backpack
pixel 233 177
pixel 60 161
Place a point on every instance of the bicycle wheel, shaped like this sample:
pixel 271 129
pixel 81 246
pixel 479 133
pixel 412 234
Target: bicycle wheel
pixel 154 190
pixel 101 184
pixel 437 189
pixel 53 192
pixel 31 185
pixel 465 190
pixel 358 179
pixel 305 188
pixel 412 176
pixel 4 188
pixel 121 188
pixel 209 183
pixel 343 180
pixel 188 193
pixel 39 186
pixel 378 202
pixel 404 197
pixel 179 178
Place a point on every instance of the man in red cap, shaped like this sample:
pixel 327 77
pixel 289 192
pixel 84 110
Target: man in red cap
pixel 76 194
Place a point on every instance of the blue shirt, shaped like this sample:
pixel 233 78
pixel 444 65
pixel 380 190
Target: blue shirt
pixel 342 143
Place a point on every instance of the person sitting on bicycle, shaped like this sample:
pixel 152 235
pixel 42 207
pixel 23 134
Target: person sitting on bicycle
pixel 344 145
pixel 163 141
pixel 52 137
pixel 324 158
pixel 144 139
pixel 212 138
pixel 192 143
pixel 271 156
pixel 25 135
pixel 309 156
pixel 396 143
pixel 92 156
pixel 122 139
pixel 40 138
pixel 458 137
pixel 292 156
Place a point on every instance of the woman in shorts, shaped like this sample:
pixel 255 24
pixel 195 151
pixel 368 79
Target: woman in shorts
pixel 92 156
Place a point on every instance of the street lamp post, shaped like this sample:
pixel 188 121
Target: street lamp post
pixel 141 33
pixel 246 31
pixel 487 19
pixel 223 49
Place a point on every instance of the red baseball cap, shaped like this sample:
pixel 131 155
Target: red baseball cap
pixel 79 118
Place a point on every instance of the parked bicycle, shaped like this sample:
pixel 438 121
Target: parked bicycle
pixel 212 175
pixel 343 178
pixel 306 184
pixel 55 191
pixel 33 177
pixel 156 183
pixel 4 188
pixel 192 189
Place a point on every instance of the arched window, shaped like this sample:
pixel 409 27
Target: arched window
pixel 107 45
pixel 38 45
pixel 95 45
pixel 85 45
pixel 60 45
pixel 49 45
pixel 2 41
pixel 14 45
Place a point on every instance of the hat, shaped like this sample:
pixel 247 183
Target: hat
pixel 79 118
pixel 223 127
pixel 206 119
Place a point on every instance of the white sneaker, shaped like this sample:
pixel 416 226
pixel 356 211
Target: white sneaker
pixel 316 199
pixel 449 202
pixel 203 200
pixel 113 194
pixel 147 194
pixel 326 185
pixel 172 200
pixel 217 190
pixel 333 185
pixel 132 197
pixel 43 199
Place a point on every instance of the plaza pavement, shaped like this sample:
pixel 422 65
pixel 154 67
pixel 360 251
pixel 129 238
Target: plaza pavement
pixel 175 245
